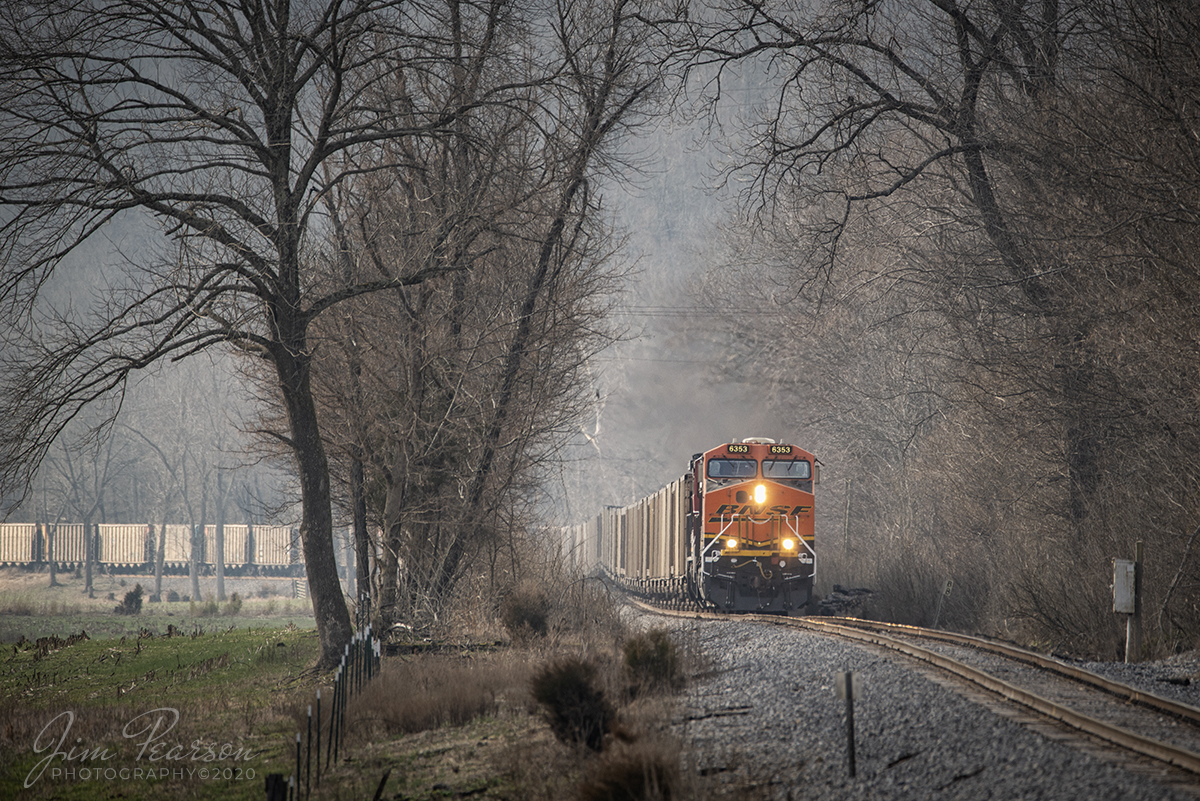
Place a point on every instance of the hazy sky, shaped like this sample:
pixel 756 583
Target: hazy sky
pixel 663 398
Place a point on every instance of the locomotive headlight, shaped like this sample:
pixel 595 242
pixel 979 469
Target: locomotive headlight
pixel 730 544
pixel 788 544
pixel 760 494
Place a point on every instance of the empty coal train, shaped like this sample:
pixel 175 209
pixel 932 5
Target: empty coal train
pixel 133 548
pixel 735 533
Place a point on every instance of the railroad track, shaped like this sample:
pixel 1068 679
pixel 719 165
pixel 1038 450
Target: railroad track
pixel 1127 718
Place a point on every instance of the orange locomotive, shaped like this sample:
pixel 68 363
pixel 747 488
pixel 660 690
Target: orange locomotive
pixel 735 533
pixel 750 526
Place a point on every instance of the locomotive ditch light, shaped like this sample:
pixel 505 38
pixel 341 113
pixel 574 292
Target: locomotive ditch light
pixel 730 544
pixel 788 544
pixel 760 494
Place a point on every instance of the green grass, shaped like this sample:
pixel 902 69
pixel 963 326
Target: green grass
pixel 157 618
pixel 210 710
pixel 240 689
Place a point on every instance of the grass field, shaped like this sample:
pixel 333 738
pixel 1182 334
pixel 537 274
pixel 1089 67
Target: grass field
pixel 77 716
pixel 174 704
pixel 83 720
pixel 30 608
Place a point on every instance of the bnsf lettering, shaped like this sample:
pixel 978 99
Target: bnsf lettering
pixel 731 509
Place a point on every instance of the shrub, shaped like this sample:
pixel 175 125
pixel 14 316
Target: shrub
pixel 526 612
pixel 234 605
pixel 172 595
pixel 435 691
pixel 577 711
pixel 643 773
pixel 132 605
pixel 653 661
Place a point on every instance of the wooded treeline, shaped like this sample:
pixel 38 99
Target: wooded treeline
pixel 972 225
pixel 389 208
pixel 977 222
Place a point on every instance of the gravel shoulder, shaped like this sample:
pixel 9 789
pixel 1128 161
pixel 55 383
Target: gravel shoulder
pixel 764 713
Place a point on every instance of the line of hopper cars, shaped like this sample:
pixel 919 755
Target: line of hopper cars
pixel 132 548
pixel 735 533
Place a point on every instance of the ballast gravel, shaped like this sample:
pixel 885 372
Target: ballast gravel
pixel 764 713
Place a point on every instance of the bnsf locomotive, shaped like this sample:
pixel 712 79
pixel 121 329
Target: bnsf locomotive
pixel 735 533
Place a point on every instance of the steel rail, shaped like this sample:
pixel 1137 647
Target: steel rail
pixel 1142 697
pixel 1163 752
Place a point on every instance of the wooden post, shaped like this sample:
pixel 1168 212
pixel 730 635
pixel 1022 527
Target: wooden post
pixel 845 689
pixel 1133 623
pixel 277 789
pixel 318 737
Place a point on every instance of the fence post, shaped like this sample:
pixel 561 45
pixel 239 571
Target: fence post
pixel 845 689
pixel 277 789
pixel 1133 624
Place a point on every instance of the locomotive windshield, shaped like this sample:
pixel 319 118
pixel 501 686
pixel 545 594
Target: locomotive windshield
pixel 793 468
pixel 792 472
pixel 732 468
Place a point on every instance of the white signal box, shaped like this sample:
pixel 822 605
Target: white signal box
pixel 1123 586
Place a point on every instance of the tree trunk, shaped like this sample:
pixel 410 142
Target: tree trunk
pixel 51 530
pixel 362 544
pixel 1082 440
pixel 89 555
pixel 316 527
pixel 160 555
pixel 1083 434
pixel 543 276
pixel 219 559
pixel 389 562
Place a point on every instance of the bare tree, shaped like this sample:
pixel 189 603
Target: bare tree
pixel 889 99
pixel 971 218
pixel 86 475
pixel 453 392
pixel 225 123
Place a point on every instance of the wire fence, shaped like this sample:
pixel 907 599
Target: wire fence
pixel 360 663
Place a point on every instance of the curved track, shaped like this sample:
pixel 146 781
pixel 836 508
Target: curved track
pixel 1126 717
